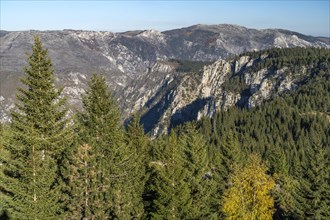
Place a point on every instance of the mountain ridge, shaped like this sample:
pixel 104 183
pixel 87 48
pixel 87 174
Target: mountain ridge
pixel 245 81
pixel 195 26
pixel 137 64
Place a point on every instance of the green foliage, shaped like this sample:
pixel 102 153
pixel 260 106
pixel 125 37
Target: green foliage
pixel 138 146
pixel 290 57
pixel 189 66
pixel 281 131
pixel 110 159
pixel 102 172
pixel 84 186
pixel 312 196
pixel 231 154
pixel 172 194
pixel 295 61
pixel 283 195
pixel 39 133
pixel 100 119
pixel 200 178
pixel 4 156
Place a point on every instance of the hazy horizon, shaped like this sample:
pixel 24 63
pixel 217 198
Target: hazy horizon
pixel 306 17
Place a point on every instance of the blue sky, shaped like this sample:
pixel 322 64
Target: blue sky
pixel 307 17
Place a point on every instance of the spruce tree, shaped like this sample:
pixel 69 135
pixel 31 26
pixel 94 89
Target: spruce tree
pixel 101 129
pixel 83 184
pixel 284 182
pixel 230 155
pixel 200 177
pixel 137 143
pixel 284 197
pixel 39 134
pixel 4 156
pixel 312 195
pixel 172 193
pixel 90 183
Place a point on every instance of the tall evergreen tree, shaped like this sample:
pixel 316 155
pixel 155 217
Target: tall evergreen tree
pixel 284 182
pixel 137 143
pixel 284 197
pixel 83 185
pixel 312 196
pixel 101 129
pixel 230 155
pixel 199 175
pixel 277 162
pixel 92 150
pixel 39 133
pixel 4 156
pixel 172 199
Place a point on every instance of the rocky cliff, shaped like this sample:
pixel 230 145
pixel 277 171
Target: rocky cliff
pixel 245 81
pixel 143 68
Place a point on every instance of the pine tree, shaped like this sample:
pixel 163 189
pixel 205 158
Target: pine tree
pixel 277 162
pixel 284 197
pixel 199 174
pixel 137 143
pixel 230 155
pixel 83 185
pixel 101 129
pixel 248 195
pixel 4 155
pixel 39 133
pixel 172 194
pixel 100 118
pixel 284 182
pixel 312 195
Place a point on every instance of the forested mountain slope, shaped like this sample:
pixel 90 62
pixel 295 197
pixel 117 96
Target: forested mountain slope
pixel 244 81
pixel 269 161
pixel 128 57
pixel 291 134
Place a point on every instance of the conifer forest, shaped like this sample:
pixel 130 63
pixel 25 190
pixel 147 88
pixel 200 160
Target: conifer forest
pixel 266 162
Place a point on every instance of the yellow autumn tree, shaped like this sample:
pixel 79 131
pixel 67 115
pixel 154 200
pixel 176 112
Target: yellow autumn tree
pixel 249 194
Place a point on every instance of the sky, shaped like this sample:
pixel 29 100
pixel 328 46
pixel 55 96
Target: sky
pixel 311 17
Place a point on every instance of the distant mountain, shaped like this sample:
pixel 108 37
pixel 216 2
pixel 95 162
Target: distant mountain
pixel 141 66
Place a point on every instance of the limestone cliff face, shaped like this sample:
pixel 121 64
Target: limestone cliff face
pixel 190 96
pixel 140 70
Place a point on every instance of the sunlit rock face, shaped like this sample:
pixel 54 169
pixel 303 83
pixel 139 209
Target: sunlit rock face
pixel 141 70
pixel 190 96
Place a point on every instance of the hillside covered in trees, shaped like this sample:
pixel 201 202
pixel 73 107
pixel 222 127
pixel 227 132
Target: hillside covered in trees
pixel 266 162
